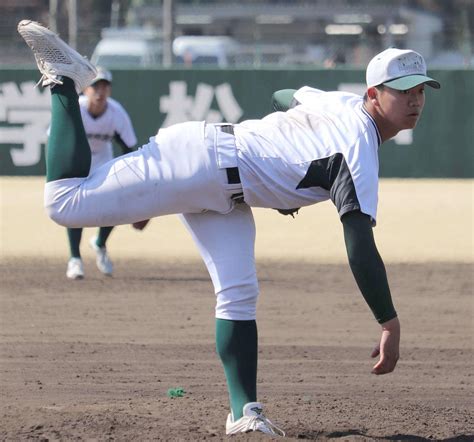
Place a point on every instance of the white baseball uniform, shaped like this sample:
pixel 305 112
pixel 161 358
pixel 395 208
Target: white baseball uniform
pixel 101 130
pixel 325 147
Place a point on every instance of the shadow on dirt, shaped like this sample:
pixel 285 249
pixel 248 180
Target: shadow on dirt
pixel 313 435
pixel 412 438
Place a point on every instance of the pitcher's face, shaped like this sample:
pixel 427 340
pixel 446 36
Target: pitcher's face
pixel 402 108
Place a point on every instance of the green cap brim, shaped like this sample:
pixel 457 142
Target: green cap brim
pixel 405 83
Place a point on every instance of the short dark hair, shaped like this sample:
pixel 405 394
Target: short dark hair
pixel 379 87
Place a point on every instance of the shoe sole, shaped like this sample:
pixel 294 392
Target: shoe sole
pixel 28 28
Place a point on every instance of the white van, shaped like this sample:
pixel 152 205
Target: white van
pixel 127 47
pixel 192 50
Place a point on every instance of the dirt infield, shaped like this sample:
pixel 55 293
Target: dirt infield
pixel 93 359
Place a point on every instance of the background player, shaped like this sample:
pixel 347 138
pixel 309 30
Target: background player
pixel 105 120
pixel 325 147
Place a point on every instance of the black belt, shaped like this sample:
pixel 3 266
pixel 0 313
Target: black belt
pixel 233 176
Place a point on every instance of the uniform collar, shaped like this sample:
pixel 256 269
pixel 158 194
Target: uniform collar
pixel 372 121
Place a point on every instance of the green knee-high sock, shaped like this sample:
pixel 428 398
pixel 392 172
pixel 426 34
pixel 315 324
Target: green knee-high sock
pixel 104 233
pixel 68 154
pixel 74 236
pixel 237 346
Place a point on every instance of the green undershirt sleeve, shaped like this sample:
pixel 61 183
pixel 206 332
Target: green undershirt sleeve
pixel 283 100
pixel 367 265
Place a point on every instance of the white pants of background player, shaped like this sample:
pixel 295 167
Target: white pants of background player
pixel 181 171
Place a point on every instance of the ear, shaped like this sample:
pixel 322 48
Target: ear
pixel 372 93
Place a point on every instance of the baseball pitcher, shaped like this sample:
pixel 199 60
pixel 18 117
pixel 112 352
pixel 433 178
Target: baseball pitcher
pixel 325 146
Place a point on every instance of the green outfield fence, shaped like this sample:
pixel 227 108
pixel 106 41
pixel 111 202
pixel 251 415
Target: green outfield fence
pixel 442 145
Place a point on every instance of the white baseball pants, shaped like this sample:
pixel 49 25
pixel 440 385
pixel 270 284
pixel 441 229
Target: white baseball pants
pixel 181 171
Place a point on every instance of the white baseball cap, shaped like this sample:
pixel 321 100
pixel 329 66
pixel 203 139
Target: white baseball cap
pixel 102 75
pixel 399 69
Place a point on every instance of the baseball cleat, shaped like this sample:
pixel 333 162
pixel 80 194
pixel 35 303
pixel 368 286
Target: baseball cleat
pixel 55 58
pixel 75 269
pixel 252 420
pixel 104 264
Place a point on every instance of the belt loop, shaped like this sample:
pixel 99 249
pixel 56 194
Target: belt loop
pixel 233 176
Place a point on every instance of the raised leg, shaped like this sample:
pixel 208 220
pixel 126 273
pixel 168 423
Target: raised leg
pixel 68 154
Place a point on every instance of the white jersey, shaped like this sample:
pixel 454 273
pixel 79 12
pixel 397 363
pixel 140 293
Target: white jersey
pixel 325 147
pixel 101 130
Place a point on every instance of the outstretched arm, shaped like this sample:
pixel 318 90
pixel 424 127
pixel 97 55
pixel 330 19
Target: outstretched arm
pixel 369 272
